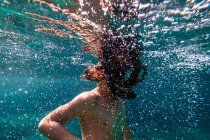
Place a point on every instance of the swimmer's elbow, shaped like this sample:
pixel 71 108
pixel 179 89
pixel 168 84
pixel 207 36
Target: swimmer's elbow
pixel 44 125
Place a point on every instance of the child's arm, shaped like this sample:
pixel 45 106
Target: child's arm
pixel 52 124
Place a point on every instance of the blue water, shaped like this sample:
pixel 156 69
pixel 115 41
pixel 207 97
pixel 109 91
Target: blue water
pixel 40 71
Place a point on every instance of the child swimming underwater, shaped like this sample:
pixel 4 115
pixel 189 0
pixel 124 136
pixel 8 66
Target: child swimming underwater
pixel 101 111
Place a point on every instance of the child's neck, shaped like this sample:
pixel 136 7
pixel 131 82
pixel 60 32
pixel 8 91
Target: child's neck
pixel 103 89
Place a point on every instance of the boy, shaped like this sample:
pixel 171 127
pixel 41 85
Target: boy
pixel 101 111
pixel 101 115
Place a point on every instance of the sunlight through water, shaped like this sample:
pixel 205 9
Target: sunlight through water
pixel 41 63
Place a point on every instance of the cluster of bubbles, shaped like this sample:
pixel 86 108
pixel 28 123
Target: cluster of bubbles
pixel 173 101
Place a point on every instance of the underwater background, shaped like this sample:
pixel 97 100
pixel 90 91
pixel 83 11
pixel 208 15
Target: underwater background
pixel 40 71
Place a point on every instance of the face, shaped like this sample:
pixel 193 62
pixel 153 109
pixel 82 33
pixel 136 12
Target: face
pixel 93 73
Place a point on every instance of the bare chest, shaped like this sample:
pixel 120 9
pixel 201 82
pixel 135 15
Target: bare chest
pixel 106 115
pixel 103 120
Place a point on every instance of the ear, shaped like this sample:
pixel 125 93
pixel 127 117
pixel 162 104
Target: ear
pixel 99 75
pixel 93 74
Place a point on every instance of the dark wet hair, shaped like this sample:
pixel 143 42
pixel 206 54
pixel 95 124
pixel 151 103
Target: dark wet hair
pixel 121 63
pixel 119 60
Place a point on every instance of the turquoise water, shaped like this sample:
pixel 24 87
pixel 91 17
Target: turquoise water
pixel 40 71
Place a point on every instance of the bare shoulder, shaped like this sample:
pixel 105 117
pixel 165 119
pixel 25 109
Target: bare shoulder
pixel 87 96
pixel 85 101
pixel 77 107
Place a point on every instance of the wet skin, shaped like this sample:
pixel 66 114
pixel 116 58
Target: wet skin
pixel 101 115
